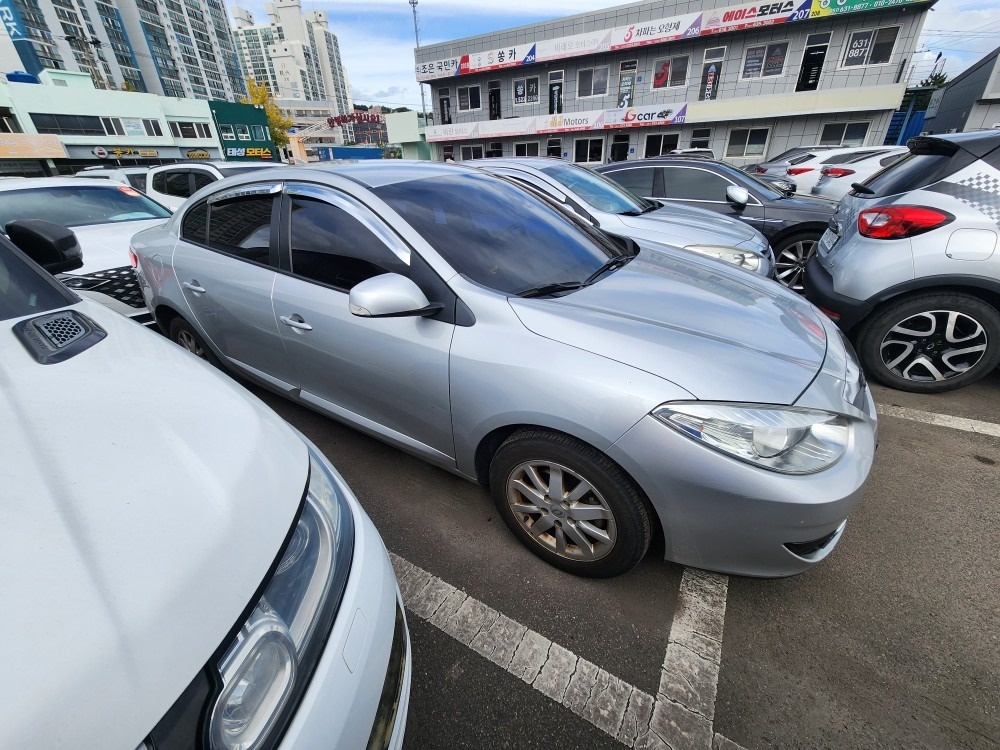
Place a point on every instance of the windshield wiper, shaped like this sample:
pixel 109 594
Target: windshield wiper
pixel 617 262
pixel 547 289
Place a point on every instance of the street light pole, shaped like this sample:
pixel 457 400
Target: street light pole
pixel 416 34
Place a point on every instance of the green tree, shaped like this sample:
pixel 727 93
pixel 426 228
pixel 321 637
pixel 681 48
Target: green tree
pixel 361 107
pixel 935 81
pixel 277 121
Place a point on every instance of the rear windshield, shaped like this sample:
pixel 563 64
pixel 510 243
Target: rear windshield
pixel 74 206
pixel 914 171
pixel 24 288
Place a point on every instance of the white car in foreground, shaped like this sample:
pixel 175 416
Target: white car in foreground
pixel 180 568
pixel 104 215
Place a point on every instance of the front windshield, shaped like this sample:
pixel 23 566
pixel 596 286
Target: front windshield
pixel 497 234
pixel 760 185
pixel 597 191
pixel 24 289
pixel 74 206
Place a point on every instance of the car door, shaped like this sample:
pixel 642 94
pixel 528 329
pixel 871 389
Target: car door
pixel 225 263
pixel 697 186
pixel 388 376
pixel 638 180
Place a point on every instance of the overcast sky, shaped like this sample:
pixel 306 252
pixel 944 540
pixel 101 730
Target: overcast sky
pixel 377 38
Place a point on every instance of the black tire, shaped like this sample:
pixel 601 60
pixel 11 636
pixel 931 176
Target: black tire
pixel 903 343
pixel 182 334
pixel 606 491
pixel 790 257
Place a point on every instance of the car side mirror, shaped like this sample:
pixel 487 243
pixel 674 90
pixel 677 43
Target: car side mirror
pixel 52 246
pixel 389 296
pixel 738 197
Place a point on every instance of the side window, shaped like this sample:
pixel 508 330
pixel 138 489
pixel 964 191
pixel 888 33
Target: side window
pixel 331 246
pixel 242 227
pixel 638 180
pixel 201 179
pixel 159 182
pixel 194 227
pixel 694 184
pixel 176 183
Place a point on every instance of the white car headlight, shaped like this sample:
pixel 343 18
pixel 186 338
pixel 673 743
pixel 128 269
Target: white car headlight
pixel 786 439
pixel 742 258
pixel 271 658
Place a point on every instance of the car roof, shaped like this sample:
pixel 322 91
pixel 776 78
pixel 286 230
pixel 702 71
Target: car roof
pixel 371 173
pixel 40 182
pixel 666 159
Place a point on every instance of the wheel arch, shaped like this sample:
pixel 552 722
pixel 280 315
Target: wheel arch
pixel 806 227
pixel 987 290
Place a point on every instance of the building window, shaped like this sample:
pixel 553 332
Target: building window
pixel 494 150
pixel 670 71
pixel 701 138
pixel 468 99
pixel 204 131
pixel 555 92
pixel 812 61
pixel 152 127
pixel 711 73
pixel 258 132
pixel 526 149
pixel 183 130
pixel 592 82
pixel 872 47
pixel 747 142
pixel 764 60
pixel 661 143
pixel 448 152
pixel 526 90
pixel 588 150
pixel 472 152
pixel 554 147
pixel 493 99
pixel 227 132
pixel 112 126
pixel 243 132
pixel 847 134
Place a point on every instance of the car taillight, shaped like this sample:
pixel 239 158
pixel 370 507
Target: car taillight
pixel 792 171
pixel 760 170
pixel 133 259
pixel 837 171
pixel 899 222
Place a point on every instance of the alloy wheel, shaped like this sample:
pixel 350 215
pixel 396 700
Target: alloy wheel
pixel 790 263
pixel 187 340
pixel 561 511
pixel 933 346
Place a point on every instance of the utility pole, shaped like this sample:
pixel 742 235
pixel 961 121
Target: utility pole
pixel 416 34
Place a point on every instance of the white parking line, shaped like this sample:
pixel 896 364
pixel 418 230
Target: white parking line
pixel 681 715
pixel 941 420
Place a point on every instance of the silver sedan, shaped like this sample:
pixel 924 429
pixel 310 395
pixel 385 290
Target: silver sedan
pixel 600 391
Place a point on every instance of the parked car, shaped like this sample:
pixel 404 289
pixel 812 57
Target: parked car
pixel 836 180
pixel 104 215
pixel 784 184
pixel 806 172
pixel 910 267
pixel 596 391
pixel 134 176
pixel 792 225
pixel 778 165
pixel 181 568
pixel 705 152
pixel 604 204
pixel 172 184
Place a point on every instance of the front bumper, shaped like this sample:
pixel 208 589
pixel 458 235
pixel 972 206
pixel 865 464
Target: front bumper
pixel 722 514
pixel 819 290
pixel 360 691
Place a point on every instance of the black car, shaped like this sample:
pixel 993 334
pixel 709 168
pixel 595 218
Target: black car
pixel 792 224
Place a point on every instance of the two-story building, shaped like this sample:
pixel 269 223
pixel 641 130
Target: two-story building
pixel 640 80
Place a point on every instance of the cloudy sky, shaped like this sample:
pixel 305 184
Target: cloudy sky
pixel 376 36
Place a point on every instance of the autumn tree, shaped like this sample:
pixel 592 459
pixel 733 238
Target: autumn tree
pixel 277 121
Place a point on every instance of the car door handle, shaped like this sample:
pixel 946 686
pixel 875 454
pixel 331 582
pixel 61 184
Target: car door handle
pixel 295 322
pixel 193 286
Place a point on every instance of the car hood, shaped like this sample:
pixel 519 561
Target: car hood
pixel 687 225
pixel 106 245
pixel 720 333
pixel 136 524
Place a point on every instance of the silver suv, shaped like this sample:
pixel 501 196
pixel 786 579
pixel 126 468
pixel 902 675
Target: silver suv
pixel 910 269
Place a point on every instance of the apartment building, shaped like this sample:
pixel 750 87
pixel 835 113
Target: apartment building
pixel 641 80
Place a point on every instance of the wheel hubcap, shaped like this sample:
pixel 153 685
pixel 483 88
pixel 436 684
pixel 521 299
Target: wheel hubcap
pixel 933 346
pixel 189 342
pixel 790 265
pixel 561 511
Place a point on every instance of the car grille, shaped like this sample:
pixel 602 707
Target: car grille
pixel 119 283
pixel 392 690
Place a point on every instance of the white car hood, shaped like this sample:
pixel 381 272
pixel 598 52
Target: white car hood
pixel 106 245
pixel 136 525
pixel 720 333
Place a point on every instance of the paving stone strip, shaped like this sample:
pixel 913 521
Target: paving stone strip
pixel 679 717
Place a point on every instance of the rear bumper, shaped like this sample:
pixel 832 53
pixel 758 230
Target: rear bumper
pixel 847 312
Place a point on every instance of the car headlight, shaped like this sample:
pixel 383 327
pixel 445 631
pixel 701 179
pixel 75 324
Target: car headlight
pixel 787 439
pixel 742 258
pixel 268 665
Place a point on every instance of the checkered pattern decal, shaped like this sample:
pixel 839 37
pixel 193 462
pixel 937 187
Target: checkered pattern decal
pixel 980 191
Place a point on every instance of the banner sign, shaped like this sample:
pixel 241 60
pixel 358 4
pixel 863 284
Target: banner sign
pixel 715 21
pixel 639 117
pixel 626 83
pixel 711 72
pixel 356 117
